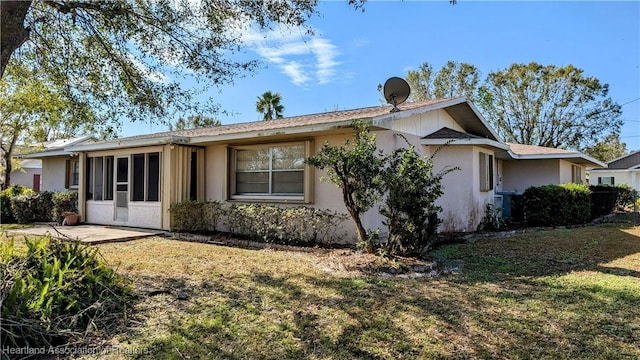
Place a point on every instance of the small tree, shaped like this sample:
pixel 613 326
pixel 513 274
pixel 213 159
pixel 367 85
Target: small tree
pixel 356 168
pixel 413 188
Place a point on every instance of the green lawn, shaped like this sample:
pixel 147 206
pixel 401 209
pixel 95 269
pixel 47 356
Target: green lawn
pixel 565 294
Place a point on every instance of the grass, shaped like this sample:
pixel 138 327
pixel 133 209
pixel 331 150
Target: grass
pixel 562 294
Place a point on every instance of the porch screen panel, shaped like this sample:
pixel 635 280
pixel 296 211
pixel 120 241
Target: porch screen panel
pixel 89 180
pixel 99 177
pixel 108 178
pixel 153 177
pixel 138 177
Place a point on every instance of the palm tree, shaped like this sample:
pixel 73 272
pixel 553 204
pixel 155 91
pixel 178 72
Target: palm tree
pixel 269 105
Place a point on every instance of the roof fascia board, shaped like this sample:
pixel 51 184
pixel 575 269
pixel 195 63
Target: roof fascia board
pixel 44 154
pixel 129 143
pixel 386 120
pixel 272 132
pixel 605 170
pixel 557 156
pixel 461 142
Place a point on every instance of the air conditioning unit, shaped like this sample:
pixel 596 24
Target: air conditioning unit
pixel 497 204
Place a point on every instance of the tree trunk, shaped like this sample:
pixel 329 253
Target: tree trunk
pixel 348 201
pixel 7 154
pixel 12 31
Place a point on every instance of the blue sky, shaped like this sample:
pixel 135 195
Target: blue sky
pixel 354 51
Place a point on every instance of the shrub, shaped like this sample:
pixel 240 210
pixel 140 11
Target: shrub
pixel 409 208
pixel 553 205
pixel 63 202
pixel 6 212
pixel 56 292
pixel 196 216
pixel 32 207
pixel 298 225
pixel 605 199
pixel 492 219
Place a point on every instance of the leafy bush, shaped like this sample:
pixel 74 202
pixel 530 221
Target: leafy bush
pixel 63 202
pixel 605 199
pixel 6 213
pixel 553 205
pixel 56 292
pixel 409 208
pixel 196 216
pixel 492 219
pixel 298 225
pixel 32 207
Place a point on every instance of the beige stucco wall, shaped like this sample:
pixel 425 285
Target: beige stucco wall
pixel 518 175
pixel 463 204
pixel 53 173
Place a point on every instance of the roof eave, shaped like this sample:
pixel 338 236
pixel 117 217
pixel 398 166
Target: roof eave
pixel 45 154
pixel 582 158
pixel 274 132
pixel 129 143
pixel 465 142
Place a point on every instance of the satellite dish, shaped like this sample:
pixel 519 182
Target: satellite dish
pixel 396 91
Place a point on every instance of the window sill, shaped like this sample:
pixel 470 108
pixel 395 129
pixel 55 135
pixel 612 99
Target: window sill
pixel 268 199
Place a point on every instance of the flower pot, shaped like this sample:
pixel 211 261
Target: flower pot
pixel 71 220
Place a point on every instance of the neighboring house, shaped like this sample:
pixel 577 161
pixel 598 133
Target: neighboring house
pixel 133 181
pixel 623 170
pixel 60 168
pixel 28 175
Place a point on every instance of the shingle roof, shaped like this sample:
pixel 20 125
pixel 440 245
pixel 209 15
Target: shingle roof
pixel 521 149
pixel 625 162
pixel 448 133
pixel 288 122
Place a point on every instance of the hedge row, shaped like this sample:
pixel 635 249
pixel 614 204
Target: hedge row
pixel 605 199
pixel 299 225
pixel 570 204
pixel 22 205
pixel 553 205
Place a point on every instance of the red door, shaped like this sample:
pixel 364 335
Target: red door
pixel 36 182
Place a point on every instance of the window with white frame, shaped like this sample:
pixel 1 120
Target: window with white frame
pixel 606 180
pixel 276 170
pixel 486 172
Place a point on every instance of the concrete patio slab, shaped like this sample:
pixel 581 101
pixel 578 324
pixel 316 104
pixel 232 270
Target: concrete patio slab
pixel 89 234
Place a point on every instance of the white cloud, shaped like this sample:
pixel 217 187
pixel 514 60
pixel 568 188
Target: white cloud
pixel 302 58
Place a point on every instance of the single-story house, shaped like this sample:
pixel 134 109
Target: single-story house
pixel 133 181
pixel 623 170
pixel 60 168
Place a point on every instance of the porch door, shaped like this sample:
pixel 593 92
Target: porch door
pixel 122 189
